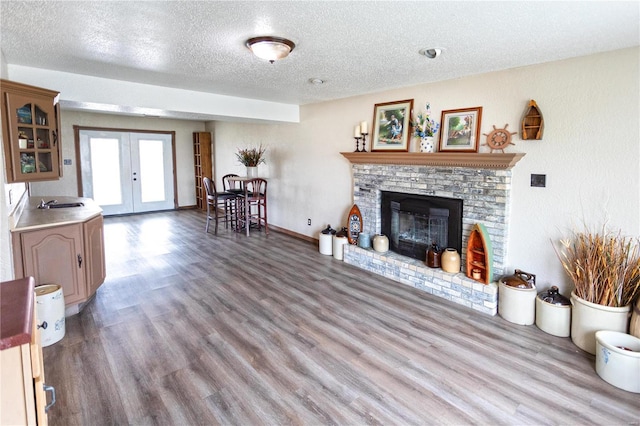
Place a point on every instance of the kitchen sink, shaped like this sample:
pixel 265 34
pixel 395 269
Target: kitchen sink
pixel 54 204
pixel 65 205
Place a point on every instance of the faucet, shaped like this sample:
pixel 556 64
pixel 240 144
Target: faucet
pixel 46 205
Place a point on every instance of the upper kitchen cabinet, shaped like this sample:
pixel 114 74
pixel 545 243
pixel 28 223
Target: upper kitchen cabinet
pixel 30 129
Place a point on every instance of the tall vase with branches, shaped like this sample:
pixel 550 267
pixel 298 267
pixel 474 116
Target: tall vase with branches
pixel 604 267
pixel 605 270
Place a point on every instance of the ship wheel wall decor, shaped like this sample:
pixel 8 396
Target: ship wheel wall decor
pixel 499 139
pixel 532 122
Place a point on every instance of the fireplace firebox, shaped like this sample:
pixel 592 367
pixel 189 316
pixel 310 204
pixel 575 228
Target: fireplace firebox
pixel 414 222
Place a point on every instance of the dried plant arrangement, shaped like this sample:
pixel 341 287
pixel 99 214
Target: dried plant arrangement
pixel 604 267
pixel 251 157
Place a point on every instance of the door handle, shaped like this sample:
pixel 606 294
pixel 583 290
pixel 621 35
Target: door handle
pixel 79 261
pixel 51 389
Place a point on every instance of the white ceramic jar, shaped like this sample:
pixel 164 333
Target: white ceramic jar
pixel 380 243
pixel 450 260
pixel 338 247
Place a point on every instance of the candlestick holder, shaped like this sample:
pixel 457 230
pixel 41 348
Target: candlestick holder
pixel 364 141
pixel 357 144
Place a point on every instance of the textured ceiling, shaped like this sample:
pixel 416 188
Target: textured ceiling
pixel 356 47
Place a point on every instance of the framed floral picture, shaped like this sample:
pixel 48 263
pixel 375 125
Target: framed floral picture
pixel 460 130
pixel 392 126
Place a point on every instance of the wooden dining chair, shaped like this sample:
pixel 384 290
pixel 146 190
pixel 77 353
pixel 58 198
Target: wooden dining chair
pixel 256 202
pixel 231 187
pixel 216 205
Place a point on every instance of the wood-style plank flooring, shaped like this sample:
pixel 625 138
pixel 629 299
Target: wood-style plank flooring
pixel 194 328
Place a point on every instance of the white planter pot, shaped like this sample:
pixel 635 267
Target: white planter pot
pixel 634 325
pixel 517 305
pixel 338 247
pixel 615 365
pixel 553 319
pixel 587 318
pixel 50 313
pixel 252 172
pixel 326 244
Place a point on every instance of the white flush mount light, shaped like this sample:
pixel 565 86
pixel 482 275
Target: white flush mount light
pixel 270 48
pixel 431 53
pixel 316 81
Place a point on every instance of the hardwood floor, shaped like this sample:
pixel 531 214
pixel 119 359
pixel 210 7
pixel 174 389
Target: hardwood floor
pixel 194 328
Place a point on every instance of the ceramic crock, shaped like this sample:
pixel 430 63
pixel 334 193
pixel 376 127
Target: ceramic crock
pixel 517 298
pixel 450 260
pixel 433 256
pixel 380 243
pixel 553 313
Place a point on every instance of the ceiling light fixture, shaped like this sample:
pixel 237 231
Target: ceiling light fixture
pixel 270 48
pixel 316 81
pixel 431 53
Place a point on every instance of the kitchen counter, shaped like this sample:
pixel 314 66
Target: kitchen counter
pixel 32 218
pixel 16 312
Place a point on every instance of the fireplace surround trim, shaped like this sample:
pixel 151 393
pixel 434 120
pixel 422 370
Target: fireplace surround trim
pixel 443 159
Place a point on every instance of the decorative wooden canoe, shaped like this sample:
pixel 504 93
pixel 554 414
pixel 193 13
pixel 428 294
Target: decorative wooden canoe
pixel 480 255
pixel 354 223
pixel 532 122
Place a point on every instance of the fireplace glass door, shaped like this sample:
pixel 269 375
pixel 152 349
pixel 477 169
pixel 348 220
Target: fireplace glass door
pixel 414 222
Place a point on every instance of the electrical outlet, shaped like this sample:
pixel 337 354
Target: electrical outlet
pixel 309 222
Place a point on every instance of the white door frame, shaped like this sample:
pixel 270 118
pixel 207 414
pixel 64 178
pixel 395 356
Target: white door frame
pixel 130 179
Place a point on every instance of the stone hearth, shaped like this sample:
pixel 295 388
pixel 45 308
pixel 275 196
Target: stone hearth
pixel 483 182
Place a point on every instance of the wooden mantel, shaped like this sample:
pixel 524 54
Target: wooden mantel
pixel 441 159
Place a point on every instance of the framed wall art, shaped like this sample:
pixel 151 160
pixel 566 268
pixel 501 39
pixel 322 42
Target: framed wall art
pixel 460 130
pixel 392 126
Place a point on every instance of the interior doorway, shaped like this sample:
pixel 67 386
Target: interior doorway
pixel 127 172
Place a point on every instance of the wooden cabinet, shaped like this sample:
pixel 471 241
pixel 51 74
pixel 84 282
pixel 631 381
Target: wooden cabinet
pixel 96 271
pixel 69 255
pixel 202 165
pixel 30 129
pixel 56 256
pixel 22 395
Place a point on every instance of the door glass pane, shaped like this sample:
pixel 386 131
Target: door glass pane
pixel 41 117
pixel 105 171
pixel 151 170
pixel 24 114
pixel 44 162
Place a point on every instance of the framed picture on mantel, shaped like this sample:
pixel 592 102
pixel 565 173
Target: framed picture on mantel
pixel 460 130
pixel 391 126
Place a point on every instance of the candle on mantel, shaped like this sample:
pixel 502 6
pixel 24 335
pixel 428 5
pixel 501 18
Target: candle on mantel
pixel 363 127
pixel 356 132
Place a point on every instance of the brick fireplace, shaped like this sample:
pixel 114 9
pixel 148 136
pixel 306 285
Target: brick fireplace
pixel 482 181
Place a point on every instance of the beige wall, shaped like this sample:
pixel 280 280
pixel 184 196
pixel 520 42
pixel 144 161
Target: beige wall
pixel 184 150
pixel 590 152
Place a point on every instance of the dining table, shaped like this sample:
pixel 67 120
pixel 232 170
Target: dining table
pixel 244 191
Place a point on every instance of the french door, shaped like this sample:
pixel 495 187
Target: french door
pixel 127 172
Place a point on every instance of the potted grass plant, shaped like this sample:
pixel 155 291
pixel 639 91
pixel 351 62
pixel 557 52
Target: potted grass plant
pixel 605 270
pixel 251 158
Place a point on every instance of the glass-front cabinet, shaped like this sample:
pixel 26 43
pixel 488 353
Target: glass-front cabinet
pixel 30 128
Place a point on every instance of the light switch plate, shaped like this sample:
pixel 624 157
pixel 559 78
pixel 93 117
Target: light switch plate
pixel 67 161
pixel 539 180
